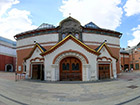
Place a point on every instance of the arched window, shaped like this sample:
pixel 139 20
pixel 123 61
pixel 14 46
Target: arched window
pixel 9 67
pixel 63 36
pixel 63 66
pixel 67 66
pixel 77 66
pixel 77 36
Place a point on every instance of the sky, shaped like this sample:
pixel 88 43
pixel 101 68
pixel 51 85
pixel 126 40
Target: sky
pixel 18 16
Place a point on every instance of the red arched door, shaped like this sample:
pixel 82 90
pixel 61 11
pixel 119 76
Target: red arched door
pixel 70 69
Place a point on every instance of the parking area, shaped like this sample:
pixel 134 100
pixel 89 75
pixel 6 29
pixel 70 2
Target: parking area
pixel 123 91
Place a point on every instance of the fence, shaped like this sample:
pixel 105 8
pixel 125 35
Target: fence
pixel 20 76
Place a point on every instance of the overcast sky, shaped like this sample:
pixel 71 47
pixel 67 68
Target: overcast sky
pixel 17 16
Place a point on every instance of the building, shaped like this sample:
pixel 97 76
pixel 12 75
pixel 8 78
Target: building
pixel 69 51
pixel 7 55
pixel 130 57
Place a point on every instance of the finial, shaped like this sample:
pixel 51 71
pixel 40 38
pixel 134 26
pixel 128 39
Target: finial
pixel 69 14
pixel 105 41
pixel 35 42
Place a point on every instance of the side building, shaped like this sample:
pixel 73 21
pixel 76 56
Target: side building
pixel 69 51
pixel 7 55
pixel 130 57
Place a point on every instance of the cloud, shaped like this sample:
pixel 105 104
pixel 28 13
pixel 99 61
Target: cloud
pixel 136 35
pixel 15 21
pixel 104 13
pixel 132 7
pixel 6 4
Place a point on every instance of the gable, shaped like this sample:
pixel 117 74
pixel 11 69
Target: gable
pixel 104 47
pixel 36 49
pixel 70 39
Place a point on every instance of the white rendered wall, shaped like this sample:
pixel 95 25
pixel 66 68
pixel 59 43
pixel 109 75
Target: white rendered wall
pixel 100 38
pixel 9 51
pixel 105 53
pixel 40 39
pixel 73 46
pixel 35 54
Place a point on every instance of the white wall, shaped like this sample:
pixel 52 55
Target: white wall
pixel 35 54
pixel 105 53
pixel 40 39
pixel 7 51
pixel 73 46
pixel 100 38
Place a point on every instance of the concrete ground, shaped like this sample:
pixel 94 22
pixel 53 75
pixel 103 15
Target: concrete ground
pixel 123 91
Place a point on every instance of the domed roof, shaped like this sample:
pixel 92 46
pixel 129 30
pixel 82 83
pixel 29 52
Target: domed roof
pixel 69 19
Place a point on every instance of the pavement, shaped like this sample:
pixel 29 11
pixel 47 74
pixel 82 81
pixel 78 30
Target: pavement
pixel 123 91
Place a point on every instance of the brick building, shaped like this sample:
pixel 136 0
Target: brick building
pixel 69 51
pixel 130 57
pixel 7 55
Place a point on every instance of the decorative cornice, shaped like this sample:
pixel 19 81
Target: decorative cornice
pixel 36 58
pixel 103 58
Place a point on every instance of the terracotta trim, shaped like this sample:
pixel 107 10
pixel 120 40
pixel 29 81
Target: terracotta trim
pixel 36 58
pixel 104 57
pixel 67 52
pixel 65 40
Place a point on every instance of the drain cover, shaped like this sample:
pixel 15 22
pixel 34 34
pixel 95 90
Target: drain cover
pixel 132 86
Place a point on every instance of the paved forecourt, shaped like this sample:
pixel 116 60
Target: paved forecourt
pixel 123 91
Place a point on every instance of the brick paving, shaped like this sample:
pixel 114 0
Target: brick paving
pixel 7 75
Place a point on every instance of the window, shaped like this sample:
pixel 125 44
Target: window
pixel 65 66
pixel 75 66
pixel 131 65
pixel 24 67
pixel 137 66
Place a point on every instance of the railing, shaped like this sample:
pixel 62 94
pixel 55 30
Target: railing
pixel 20 76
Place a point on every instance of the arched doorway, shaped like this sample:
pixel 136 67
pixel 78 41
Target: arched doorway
pixel 9 67
pixel 70 69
